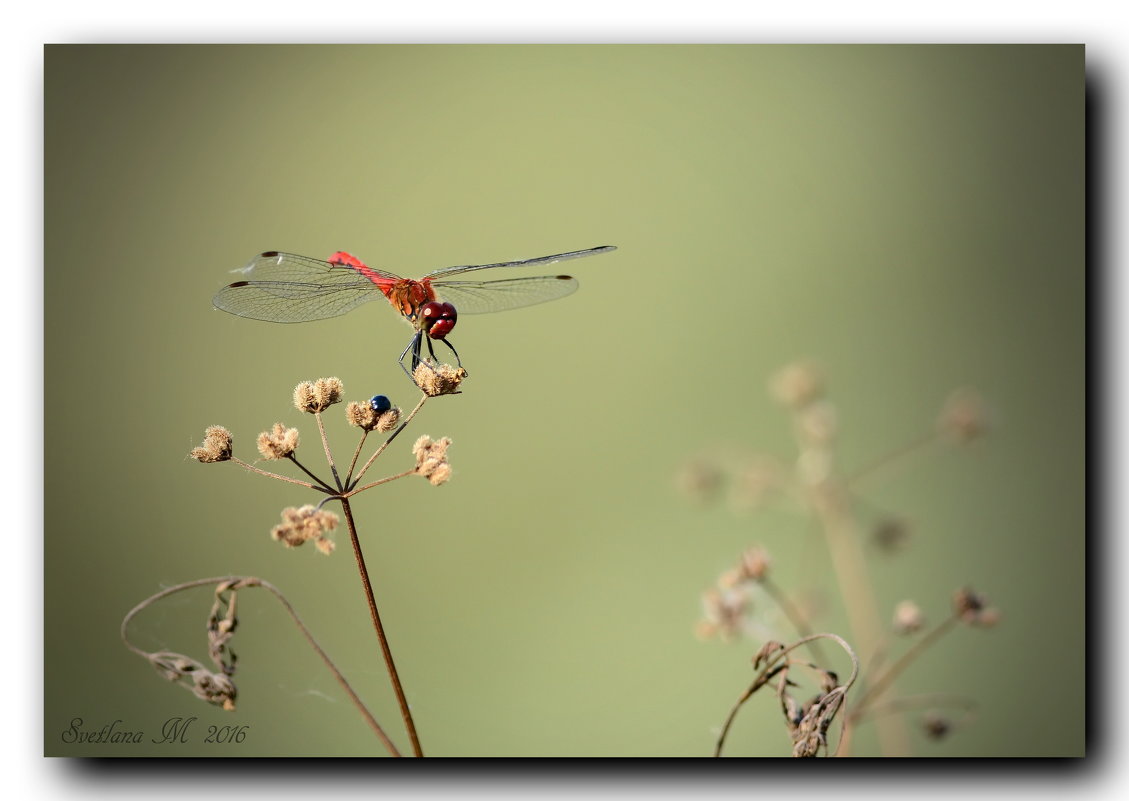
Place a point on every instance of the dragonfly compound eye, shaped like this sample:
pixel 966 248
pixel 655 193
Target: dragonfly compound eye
pixel 438 318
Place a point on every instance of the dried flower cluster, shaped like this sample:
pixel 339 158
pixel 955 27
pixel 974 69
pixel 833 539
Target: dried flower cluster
pixel 442 379
pixel 278 443
pixel 305 523
pixel 431 459
pixel 317 396
pixel 363 415
pixel 216 446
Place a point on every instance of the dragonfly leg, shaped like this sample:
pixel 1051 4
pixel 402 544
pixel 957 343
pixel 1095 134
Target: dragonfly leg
pixel 414 347
pixel 452 347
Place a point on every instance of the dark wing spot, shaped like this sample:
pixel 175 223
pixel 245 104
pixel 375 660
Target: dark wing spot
pixel 238 283
pixel 270 254
pixel 564 277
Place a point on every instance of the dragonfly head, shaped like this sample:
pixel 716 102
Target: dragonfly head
pixel 437 319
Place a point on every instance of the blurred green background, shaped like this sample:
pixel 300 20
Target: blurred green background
pixel 911 218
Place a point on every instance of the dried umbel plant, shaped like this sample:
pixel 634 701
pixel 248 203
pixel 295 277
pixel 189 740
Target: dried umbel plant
pixel 314 522
pixel 814 483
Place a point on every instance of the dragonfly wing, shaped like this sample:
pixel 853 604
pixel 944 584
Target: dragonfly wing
pixel 538 262
pixel 479 297
pixel 287 288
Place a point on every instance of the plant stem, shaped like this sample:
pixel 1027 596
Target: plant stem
pixel 328 452
pixel 405 712
pixel 892 672
pixel 254 469
pixel 793 614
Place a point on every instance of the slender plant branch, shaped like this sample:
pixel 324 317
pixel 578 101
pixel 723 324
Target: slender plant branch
pixel 385 480
pixel 235 582
pixel 405 712
pixel 356 455
pixel 890 457
pixel 325 488
pixel 886 679
pixel 794 616
pixel 328 452
pixel 302 467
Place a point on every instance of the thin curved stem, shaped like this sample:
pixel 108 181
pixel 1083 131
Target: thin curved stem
pixel 235 582
pixel 794 616
pixel 896 668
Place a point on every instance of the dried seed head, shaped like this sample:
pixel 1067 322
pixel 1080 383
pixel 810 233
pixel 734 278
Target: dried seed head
pixel 723 614
pixel 388 420
pixel 699 480
pixel 216 446
pixel 936 726
pixel 305 523
pixel 361 415
pixel 364 415
pixel 431 459
pixel 964 416
pixel 317 396
pixel 796 385
pixel 441 379
pixel 278 443
pixel 908 618
pixel 890 534
pixel 755 563
pixel 972 608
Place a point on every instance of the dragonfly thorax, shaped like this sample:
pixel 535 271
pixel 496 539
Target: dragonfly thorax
pixel 408 296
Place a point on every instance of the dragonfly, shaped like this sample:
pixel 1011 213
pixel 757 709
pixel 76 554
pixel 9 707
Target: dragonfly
pixel 287 288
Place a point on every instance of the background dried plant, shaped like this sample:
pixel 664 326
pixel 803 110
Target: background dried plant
pixel 814 483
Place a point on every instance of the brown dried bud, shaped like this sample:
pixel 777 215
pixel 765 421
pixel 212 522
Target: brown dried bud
pixel 278 443
pixel 216 446
pixel 361 415
pixel 891 534
pixel 796 385
pixel 766 652
pixel 972 608
pixel 317 396
pixel 305 523
pixel 431 459
pixel 442 379
pixel 908 618
pixel 755 563
pixel 964 417
pixel 936 726
pixel 388 420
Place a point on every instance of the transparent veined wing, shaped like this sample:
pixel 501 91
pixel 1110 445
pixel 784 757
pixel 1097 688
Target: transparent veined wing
pixel 480 297
pixel 538 262
pixel 287 288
